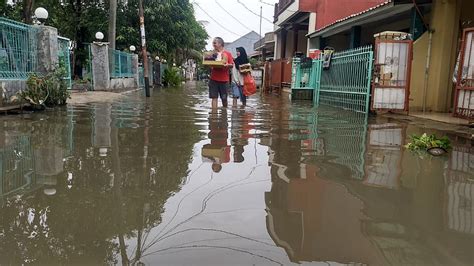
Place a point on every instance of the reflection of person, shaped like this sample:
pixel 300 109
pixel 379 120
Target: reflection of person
pixel 219 82
pixel 238 78
pixel 218 151
pixel 240 133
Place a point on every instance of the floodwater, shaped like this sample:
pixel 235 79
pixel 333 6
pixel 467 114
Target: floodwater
pixel 164 181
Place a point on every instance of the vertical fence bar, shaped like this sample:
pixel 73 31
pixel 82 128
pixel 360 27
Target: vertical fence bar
pixel 64 57
pixel 17 50
pixel 120 64
pixel 369 80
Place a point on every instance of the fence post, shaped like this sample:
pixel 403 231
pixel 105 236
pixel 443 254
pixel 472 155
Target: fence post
pixel 369 80
pixel 47 47
pixel 316 79
pixel 100 66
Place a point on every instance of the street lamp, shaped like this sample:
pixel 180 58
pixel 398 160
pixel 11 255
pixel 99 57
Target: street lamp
pixel 99 36
pixel 132 48
pixel 41 15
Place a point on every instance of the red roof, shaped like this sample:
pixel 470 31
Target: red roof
pixel 384 3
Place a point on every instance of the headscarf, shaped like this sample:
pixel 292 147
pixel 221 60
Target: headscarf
pixel 242 59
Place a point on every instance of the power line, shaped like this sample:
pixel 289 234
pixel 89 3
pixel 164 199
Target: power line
pixel 266 3
pixel 219 24
pixel 232 16
pixel 251 11
pixel 273 5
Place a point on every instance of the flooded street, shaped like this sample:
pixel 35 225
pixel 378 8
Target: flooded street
pixel 165 181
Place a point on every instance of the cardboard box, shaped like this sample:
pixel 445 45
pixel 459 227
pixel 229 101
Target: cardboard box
pixel 213 59
pixel 245 68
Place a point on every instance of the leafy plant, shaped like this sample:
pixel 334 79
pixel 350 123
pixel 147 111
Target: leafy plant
pixel 49 90
pixel 172 77
pixel 426 142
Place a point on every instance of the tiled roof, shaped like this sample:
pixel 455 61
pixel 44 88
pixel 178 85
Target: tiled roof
pixel 355 15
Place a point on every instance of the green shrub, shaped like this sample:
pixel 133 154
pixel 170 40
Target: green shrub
pixel 49 90
pixel 172 77
pixel 426 142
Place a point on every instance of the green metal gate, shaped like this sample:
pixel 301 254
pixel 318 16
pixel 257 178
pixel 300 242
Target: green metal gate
pixel 305 76
pixel 346 84
pixel 64 56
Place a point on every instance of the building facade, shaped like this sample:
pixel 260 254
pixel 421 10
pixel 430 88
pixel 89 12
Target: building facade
pixel 247 42
pixel 436 28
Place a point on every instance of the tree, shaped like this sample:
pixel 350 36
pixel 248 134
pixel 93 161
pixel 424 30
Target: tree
pixel 28 11
pixel 112 23
pixel 171 27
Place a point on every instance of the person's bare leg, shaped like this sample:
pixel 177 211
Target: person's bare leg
pixel 214 104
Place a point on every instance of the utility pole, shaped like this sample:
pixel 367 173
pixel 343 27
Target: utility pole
pixel 144 53
pixel 260 33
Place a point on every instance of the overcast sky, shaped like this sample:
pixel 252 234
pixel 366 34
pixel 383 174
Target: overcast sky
pixel 223 25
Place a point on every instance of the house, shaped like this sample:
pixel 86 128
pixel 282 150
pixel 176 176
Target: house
pixel 436 27
pixel 266 46
pixel 247 42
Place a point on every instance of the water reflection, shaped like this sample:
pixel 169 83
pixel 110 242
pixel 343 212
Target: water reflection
pixel 165 181
pixel 65 205
pixel 218 150
pixel 344 193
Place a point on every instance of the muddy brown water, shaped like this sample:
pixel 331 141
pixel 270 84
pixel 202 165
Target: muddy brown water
pixel 165 181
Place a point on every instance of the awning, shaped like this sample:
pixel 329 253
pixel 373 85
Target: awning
pixel 378 13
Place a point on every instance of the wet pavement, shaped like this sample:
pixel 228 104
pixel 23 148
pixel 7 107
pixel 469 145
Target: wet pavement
pixel 165 181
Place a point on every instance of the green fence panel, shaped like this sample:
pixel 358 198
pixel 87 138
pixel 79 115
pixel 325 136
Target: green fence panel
pixel 64 56
pixel 301 75
pixel 120 64
pixel 16 166
pixel 346 84
pixel 18 56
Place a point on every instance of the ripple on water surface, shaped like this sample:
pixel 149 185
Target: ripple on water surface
pixel 168 181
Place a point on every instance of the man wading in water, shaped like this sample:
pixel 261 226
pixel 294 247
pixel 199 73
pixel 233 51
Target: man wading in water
pixel 219 82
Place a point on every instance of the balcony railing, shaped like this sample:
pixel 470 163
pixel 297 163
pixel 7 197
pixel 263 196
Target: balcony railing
pixel 259 44
pixel 269 37
pixel 281 6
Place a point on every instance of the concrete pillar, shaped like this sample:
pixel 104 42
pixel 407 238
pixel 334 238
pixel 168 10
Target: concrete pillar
pixel 47 49
pixel 277 48
pixel 445 23
pixel 102 127
pixel 136 76
pixel 100 66
pixel 283 43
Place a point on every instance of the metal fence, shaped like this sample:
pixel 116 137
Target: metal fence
pixel 120 64
pixel 464 100
pixel 344 134
pixel 64 56
pixel 16 166
pixel 18 43
pixel 305 77
pixel 346 84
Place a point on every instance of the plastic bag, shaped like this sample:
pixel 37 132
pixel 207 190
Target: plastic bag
pixel 250 87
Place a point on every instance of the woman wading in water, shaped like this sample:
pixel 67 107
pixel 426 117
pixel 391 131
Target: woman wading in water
pixel 238 78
